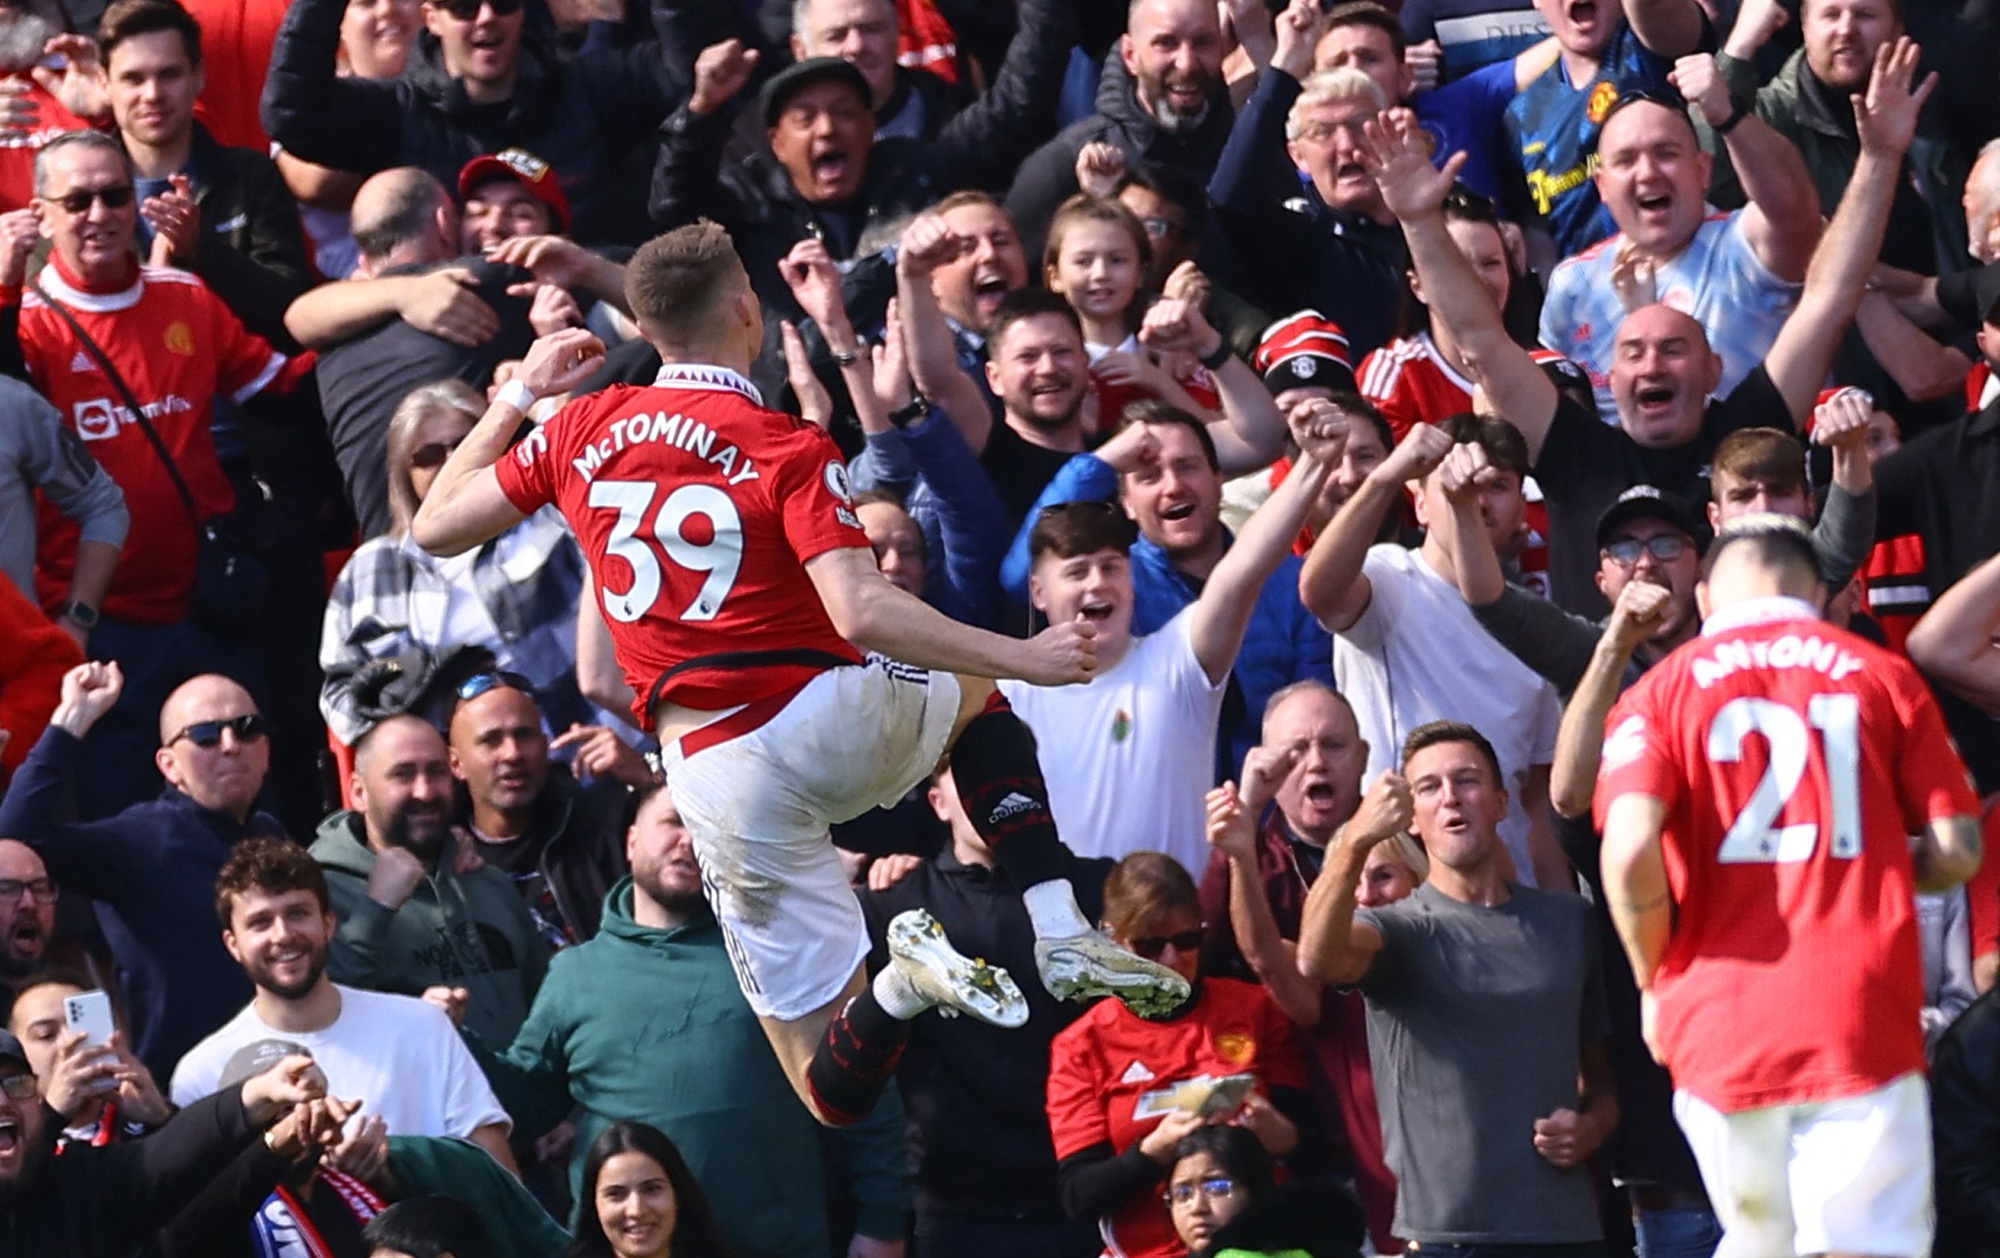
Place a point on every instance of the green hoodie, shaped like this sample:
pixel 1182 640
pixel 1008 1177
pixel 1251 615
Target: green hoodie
pixel 469 931
pixel 650 1024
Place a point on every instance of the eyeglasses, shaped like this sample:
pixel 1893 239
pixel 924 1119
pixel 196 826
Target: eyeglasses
pixel 1666 547
pixel 433 454
pixel 21 1087
pixel 1151 946
pixel 1213 1187
pixel 478 685
pixel 42 889
pixel 468 10
pixel 248 728
pixel 115 197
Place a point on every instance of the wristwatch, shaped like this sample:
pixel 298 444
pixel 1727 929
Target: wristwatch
pixel 1221 354
pixel 83 615
pixel 911 411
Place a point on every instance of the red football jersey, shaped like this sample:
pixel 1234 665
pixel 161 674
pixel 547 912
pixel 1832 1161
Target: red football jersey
pixel 1794 760
pixel 697 509
pixel 177 346
pixel 1112 1078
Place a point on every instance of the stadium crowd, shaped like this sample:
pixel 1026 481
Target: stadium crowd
pixel 1453 432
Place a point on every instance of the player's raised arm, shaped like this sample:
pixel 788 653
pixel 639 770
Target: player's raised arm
pixel 465 505
pixel 876 616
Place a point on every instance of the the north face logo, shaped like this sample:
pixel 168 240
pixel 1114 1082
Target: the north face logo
pixel 1013 806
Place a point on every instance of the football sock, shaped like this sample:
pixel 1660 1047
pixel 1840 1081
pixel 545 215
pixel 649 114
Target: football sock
pixel 856 1060
pixel 898 997
pixel 1001 788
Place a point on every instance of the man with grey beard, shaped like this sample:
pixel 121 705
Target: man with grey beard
pixel 1162 102
pixel 50 82
pixel 409 917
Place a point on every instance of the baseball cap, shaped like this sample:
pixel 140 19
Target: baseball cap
pixel 524 168
pixel 787 83
pixel 1644 502
pixel 1304 349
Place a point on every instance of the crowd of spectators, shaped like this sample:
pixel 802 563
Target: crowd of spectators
pixel 405 942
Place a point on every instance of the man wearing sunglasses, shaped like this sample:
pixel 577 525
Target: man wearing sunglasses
pixel 152 867
pixel 482 82
pixel 176 348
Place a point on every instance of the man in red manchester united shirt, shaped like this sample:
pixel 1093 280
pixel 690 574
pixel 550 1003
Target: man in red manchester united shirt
pixel 178 349
pixel 737 582
pixel 1758 793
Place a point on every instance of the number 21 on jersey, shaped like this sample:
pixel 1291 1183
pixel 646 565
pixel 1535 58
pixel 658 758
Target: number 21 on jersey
pixel 1755 837
pixel 721 557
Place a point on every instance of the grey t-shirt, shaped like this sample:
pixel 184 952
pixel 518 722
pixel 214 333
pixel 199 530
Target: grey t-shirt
pixel 1475 1019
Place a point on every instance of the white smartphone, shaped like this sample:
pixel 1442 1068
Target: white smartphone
pixel 90 1012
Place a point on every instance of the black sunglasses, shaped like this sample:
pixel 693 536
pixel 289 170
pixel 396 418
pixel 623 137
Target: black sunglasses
pixel 479 684
pixel 115 197
pixel 432 455
pixel 1665 547
pixel 467 10
pixel 1151 946
pixel 248 728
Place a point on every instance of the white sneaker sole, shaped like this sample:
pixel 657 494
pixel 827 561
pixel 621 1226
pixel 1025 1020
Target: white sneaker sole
pixel 953 983
pixel 1084 967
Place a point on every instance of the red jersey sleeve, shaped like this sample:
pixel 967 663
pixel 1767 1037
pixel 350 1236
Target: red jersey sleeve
pixel 1077 1116
pixel 1931 779
pixel 809 489
pixel 526 472
pixel 1639 755
pixel 245 364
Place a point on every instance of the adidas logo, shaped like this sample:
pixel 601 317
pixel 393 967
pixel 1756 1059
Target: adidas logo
pixel 81 364
pixel 1136 1073
pixel 1013 806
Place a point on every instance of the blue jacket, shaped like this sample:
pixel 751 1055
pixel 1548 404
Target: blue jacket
pixel 152 871
pixel 1285 642
pixel 947 493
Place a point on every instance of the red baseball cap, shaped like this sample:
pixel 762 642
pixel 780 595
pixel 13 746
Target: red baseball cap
pixel 524 168
pixel 1303 350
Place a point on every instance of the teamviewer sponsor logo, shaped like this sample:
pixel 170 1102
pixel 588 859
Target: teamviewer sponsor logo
pixel 96 420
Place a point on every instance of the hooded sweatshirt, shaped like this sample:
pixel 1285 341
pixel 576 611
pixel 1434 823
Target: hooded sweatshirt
pixel 456 930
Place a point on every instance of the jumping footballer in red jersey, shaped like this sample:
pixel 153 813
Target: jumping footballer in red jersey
pixel 1759 790
pixel 734 576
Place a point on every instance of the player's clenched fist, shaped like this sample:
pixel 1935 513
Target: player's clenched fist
pixel 1062 655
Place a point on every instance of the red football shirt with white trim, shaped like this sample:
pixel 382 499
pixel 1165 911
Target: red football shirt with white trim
pixel 1794 759
pixel 1112 1075
pixel 177 346
pixel 697 509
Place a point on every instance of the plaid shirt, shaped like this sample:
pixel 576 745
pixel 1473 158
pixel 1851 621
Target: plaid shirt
pixel 391 597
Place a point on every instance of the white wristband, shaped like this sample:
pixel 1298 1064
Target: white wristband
pixel 517 395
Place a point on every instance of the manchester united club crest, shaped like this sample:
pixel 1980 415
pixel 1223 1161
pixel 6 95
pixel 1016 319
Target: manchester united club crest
pixel 1602 98
pixel 180 339
pixel 1235 1047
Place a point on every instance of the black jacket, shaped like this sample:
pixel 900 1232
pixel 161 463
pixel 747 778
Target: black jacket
pixel 1965 1130
pixel 976 1095
pixel 93 1202
pixel 585 118
pixel 253 250
pixel 577 844
pixel 1048 177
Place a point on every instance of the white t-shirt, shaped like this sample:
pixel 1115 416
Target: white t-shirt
pixel 1417 655
pixel 401 1058
pixel 1130 756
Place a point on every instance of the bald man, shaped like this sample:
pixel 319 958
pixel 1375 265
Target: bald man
pixel 152 867
pixel 414 312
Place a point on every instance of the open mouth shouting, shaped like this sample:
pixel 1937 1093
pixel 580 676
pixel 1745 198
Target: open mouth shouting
pixel 1096 610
